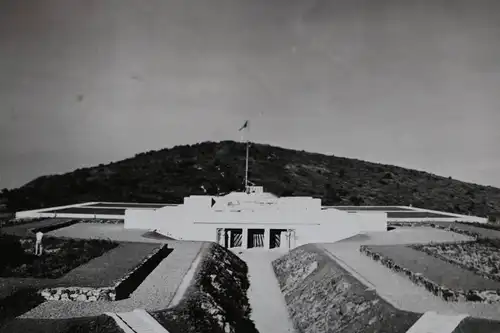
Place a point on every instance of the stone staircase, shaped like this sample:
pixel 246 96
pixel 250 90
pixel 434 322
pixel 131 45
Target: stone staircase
pixel 137 321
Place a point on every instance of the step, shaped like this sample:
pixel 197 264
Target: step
pixel 137 321
pixel 432 322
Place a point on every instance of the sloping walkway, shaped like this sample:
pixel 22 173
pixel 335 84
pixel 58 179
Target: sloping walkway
pixel 137 321
pixel 395 288
pixel 434 322
pixel 269 310
pixel 155 292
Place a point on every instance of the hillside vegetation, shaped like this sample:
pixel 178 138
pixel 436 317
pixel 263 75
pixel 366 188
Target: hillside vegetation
pixel 168 175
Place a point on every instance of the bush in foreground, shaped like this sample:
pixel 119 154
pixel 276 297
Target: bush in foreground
pixel 12 251
pixel 98 324
pixel 18 303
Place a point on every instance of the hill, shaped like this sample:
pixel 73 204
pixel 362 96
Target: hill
pixel 168 175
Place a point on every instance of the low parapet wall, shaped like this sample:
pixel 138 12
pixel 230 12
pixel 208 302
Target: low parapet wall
pixel 36 212
pixel 434 219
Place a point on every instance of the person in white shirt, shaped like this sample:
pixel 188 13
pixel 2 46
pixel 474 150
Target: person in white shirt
pixel 38 243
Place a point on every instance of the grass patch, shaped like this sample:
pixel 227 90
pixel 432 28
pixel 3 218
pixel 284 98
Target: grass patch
pixel 444 279
pixel 481 256
pixel 55 226
pixel 416 214
pixel 468 229
pixel 90 211
pixel 26 227
pixel 8 222
pixel 216 302
pixel 59 256
pixel 489 226
pixel 112 266
pixel 323 297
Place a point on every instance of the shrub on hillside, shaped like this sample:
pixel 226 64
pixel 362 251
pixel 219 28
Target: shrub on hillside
pixel 18 303
pixel 59 256
pixel 12 252
pixel 145 178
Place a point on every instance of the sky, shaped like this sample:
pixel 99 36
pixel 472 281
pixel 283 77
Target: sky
pixel 410 83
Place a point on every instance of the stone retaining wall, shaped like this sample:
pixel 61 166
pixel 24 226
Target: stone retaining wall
pixel 81 294
pixel 483 296
pixel 120 290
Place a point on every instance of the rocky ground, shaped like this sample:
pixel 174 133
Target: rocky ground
pixel 322 297
pixel 216 301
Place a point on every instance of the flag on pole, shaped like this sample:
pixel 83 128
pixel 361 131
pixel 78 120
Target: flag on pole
pixel 245 125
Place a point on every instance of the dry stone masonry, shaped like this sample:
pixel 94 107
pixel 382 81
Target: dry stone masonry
pixel 79 294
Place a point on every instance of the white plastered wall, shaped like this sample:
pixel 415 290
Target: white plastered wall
pixel 35 213
pixel 197 220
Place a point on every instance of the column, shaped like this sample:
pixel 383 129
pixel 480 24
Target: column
pixel 229 239
pixel 244 238
pixel 283 240
pixel 292 239
pixel 266 238
pixel 220 236
pixel 223 240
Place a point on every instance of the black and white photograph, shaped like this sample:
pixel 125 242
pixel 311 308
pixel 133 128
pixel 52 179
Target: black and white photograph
pixel 249 166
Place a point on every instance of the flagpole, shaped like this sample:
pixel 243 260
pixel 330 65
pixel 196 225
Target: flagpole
pixel 246 127
pixel 246 169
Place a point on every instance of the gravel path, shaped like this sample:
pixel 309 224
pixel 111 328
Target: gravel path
pixel 187 280
pixel 154 293
pixel 395 288
pixel 269 310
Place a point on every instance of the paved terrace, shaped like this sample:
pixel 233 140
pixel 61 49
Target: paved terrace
pixel 395 288
pixel 154 293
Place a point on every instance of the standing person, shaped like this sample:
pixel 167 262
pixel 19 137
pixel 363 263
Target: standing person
pixel 38 244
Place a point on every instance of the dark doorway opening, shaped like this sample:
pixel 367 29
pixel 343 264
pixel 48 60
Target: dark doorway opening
pixel 275 238
pixel 255 238
pixel 234 237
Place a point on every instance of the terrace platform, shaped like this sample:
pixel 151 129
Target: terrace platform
pixel 395 288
